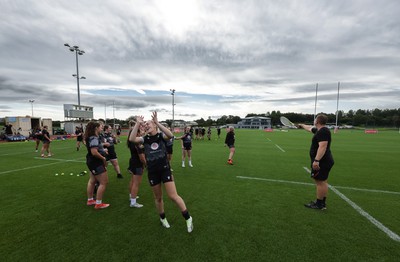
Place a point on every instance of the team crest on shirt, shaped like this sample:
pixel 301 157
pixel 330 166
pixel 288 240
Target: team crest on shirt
pixel 154 146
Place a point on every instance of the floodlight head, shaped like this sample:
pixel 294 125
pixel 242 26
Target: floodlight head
pixel 74 75
pixel 71 49
pixel 76 47
pixel 66 44
pixel 31 101
pixel 82 77
pixel 80 53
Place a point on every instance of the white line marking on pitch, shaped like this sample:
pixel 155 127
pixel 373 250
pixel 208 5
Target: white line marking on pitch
pixel 32 167
pixel 361 189
pixel 375 222
pixel 60 159
pixel 279 148
pixel 269 139
pixel 371 219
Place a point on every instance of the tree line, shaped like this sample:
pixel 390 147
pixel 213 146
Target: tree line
pixel 360 118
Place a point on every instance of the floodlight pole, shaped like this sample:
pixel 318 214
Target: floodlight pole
pixel 77 52
pixel 337 105
pixel 31 101
pixel 316 97
pixel 173 107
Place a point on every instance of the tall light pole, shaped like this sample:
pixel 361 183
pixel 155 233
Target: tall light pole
pixel 77 52
pixel 31 101
pixel 173 108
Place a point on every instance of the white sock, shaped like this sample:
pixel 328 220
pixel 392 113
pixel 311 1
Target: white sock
pixel 130 195
pixel 190 162
pixel 133 201
pixel 98 202
pixel 183 162
pixel 90 199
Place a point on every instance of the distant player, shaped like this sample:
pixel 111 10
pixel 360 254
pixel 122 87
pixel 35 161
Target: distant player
pixel 321 159
pixel 219 131
pixel 46 140
pixel 186 146
pixel 209 133
pixel 37 136
pixel 79 137
pixel 230 143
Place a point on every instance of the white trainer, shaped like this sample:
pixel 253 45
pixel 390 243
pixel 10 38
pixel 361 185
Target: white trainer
pixel 190 164
pixel 137 205
pixel 189 224
pixel 165 223
pixel 183 165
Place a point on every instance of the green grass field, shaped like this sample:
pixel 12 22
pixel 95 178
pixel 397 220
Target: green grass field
pixel 252 211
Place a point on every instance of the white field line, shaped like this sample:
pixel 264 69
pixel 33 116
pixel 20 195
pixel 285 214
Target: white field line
pixel 38 166
pixel 361 189
pixel 60 159
pixel 269 139
pixel 371 219
pixel 31 151
pixel 280 148
pixel 375 222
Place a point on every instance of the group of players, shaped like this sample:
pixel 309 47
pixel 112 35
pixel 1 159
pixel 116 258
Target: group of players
pixel 42 135
pixel 150 145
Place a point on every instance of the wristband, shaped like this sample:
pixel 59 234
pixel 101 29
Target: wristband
pixel 315 160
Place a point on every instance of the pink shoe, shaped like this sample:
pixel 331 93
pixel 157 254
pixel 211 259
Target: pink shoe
pixel 102 205
pixel 91 202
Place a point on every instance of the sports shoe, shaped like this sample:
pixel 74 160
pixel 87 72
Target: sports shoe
pixel 49 155
pixel 101 206
pixel 314 205
pixel 171 170
pixel 183 165
pixel 164 223
pixel 189 224
pixel 230 162
pixel 119 176
pixel 190 164
pixel 36 150
pixel 137 205
pixel 91 202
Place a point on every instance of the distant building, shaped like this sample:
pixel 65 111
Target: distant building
pixel 254 122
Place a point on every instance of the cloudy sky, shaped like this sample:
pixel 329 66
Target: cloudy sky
pixel 225 57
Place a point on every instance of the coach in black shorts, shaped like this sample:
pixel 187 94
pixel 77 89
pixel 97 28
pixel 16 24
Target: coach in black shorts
pixel 321 159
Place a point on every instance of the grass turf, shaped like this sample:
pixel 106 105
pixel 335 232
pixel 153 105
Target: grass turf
pixel 43 217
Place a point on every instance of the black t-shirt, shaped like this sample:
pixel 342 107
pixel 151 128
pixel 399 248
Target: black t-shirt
pixel 323 134
pixel 187 139
pixel 156 153
pixel 135 151
pixel 230 138
pixel 44 134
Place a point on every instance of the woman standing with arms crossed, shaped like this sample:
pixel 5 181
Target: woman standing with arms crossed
pixel 158 167
pixel 97 163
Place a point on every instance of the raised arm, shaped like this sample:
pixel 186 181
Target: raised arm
pixel 133 136
pixel 167 133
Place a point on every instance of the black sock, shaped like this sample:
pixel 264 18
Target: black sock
pixel 185 214
pixel 162 215
pixel 323 200
pixel 320 202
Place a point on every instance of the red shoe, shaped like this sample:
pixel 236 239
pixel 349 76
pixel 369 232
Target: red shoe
pixel 102 205
pixel 91 202
pixel 230 162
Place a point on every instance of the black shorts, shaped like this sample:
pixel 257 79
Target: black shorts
pixel 169 150
pixel 323 173
pixel 187 146
pixel 111 154
pixel 231 146
pixel 79 139
pixel 137 171
pixel 162 175
pixel 95 166
pixel 46 142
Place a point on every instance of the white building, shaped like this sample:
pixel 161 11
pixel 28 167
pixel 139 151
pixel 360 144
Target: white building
pixel 254 122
